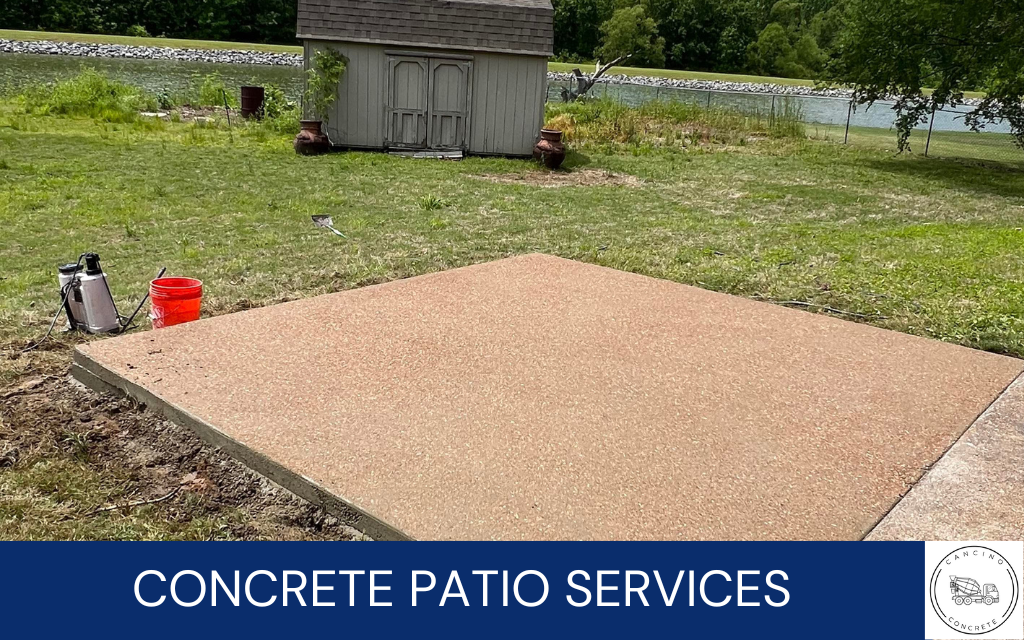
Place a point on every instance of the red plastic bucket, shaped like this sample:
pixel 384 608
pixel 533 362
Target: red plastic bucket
pixel 175 300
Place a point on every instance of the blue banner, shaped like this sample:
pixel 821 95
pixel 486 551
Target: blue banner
pixel 485 589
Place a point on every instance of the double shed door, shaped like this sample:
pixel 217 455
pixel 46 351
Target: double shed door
pixel 427 102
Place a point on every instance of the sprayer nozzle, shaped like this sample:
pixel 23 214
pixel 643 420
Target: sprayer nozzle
pixel 92 264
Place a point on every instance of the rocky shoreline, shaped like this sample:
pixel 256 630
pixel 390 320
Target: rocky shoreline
pixel 91 50
pixel 714 85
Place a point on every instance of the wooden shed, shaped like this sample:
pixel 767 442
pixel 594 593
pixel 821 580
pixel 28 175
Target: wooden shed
pixel 444 76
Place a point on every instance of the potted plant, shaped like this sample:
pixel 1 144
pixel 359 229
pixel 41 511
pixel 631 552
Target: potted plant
pixel 322 79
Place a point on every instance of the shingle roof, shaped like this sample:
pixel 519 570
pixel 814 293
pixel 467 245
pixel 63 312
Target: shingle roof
pixel 516 26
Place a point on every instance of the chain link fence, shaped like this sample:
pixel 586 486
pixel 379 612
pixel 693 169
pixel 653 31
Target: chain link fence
pixel 944 135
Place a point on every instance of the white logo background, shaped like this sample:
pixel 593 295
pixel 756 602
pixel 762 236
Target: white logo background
pixel 968 561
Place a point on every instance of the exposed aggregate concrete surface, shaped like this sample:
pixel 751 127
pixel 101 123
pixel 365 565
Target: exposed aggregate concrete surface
pixel 537 398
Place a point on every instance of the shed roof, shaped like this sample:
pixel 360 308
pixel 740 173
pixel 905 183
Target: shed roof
pixel 508 26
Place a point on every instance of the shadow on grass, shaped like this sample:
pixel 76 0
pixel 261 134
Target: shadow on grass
pixel 980 177
pixel 575 159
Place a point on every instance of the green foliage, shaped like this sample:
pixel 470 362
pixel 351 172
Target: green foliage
pixel 275 102
pixel 660 124
pixel 631 31
pixel 91 94
pixel 794 45
pixel 136 31
pixel 899 47
pixel 578 27
pixel 202 91
pixel 235 20
pixel 782 52
pixel 212 92
pixel 707 35
pixel 431 202
pixel 322 80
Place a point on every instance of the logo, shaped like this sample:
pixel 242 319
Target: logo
pixel 974 590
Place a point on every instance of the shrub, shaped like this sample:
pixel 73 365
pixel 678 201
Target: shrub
pixel 137 31
pixel 202 91
pixel 322 80
pixel 280 114
pixel 92 94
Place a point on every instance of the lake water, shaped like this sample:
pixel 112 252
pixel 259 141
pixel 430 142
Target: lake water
pixel 18 70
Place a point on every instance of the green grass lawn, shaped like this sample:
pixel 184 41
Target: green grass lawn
pixel 931 245
pixel 924 246
pixel 968 146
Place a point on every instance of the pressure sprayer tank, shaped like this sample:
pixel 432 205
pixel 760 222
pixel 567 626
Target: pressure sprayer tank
pixel 100 312
pixel 66 274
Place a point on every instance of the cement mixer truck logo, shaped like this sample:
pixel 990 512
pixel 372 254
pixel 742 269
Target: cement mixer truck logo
pixel 974 590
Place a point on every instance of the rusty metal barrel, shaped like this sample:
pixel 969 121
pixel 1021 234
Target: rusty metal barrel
pixel 252 102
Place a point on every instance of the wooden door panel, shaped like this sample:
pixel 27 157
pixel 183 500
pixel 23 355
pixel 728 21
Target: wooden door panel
pixel 407 101
pixel 448 109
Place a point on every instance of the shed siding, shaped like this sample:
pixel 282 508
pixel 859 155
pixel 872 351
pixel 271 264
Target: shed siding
pixel 508 103
pixel 507 98
pixel 357 119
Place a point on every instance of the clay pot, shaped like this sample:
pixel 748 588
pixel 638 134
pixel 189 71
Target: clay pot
pixel 311 140
pixel 549 150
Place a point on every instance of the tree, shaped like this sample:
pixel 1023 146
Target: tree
pixel 238 20
pixel 774 55
pixel 578 26
pixel 631 32
pixel 896 48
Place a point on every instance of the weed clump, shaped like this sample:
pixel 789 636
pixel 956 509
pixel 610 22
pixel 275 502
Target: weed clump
pixel 89 94
pixel 662 123
pixel 431 202
pixel 202 91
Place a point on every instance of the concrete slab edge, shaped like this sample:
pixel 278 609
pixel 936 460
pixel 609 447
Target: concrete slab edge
pixel 910 504
pixel 97 377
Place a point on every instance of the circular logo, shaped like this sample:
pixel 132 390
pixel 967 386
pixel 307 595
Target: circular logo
pixel 974 590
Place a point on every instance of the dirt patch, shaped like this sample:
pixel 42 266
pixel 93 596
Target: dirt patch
pixel 154 464
pixel 576 178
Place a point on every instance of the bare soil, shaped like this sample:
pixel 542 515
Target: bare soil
pixel 574 178
pixel 50 417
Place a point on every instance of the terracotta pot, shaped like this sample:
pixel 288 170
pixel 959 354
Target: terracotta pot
pixel 550 150
pixel 311 140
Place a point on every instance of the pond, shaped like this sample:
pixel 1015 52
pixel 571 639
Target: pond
pixel 18 70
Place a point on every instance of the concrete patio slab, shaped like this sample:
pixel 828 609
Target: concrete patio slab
pixel 974 492
pixel 539 398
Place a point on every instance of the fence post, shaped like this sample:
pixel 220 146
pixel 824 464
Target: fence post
pixel 709 99
pixel 771 116
pixel 657 95
pixel 928 142
pixel 849 114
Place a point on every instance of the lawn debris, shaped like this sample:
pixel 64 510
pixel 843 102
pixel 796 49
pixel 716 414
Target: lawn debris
pixel 135 503
pixel 811 305
pixel 577 178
